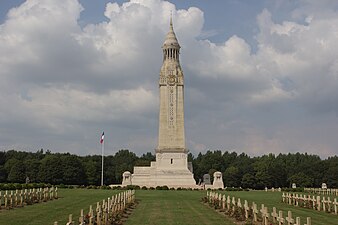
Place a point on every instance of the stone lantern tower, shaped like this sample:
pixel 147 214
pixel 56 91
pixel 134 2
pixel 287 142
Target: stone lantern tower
pixel 171 84
pixel 171 167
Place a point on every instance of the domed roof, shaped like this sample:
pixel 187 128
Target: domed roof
pixel 171 39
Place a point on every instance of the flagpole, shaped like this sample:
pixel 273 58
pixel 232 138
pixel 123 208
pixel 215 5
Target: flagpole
pixel 102 151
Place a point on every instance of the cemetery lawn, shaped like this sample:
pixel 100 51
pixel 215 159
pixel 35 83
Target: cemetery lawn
pixel 274 199
pixel 167 207
pixel 71 201
pixel 185 208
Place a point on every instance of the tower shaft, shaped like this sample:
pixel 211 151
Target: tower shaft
pixel 171 89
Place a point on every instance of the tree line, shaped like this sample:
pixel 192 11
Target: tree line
pixel 239 170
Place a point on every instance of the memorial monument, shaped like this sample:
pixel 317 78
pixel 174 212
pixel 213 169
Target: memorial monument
pixel 171 167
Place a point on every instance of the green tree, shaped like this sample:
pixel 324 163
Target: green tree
pixel 229 159
pixel 110 171
pixel 232 177
pixel 263 168
pixel 331 172
pixel 204 163
pixel 92 171
pixel 3 174
pixel 2 158
pixel 17 173
pixel 263 171
pixel 73 171
pixel 248 181
pixel 10 163
pixel 32 167
pixel 51 169
pixel 263 179
pixel 123 160
pixel 301 180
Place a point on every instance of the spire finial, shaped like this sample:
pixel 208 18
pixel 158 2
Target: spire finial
pixel 171 39
pixel 171 18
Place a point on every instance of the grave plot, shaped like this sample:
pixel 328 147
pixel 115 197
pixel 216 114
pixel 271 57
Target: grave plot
pixel 235 208
pixel 274 199
pixel 311 202
pixel 70 201
pixel 321 191
pixel 21 198
pixel 111 211
pixel 165 207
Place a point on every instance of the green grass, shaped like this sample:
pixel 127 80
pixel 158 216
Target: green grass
pixel 155 207
pixel 173 208
pixel 71 201
pixel 274 199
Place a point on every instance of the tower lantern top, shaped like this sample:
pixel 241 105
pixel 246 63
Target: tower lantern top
pixel 171 40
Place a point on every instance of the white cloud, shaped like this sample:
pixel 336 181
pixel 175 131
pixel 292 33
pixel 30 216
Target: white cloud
pixel 304 55
pixel 67 82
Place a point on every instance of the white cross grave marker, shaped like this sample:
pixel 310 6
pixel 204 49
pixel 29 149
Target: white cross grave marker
pixel 289 218
pixel 265 216
pixel 246 209
pixel 280 218
pixel 335 203
pixel 228 202
pixel 324 204
pixel 239 204
pixel 283 197
pixel 254 211
pixel 274 214
pixel 318 203
pixel 70 220
pixel 308 221
pixel 297 221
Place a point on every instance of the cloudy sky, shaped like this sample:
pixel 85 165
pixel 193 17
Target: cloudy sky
pixel 260 76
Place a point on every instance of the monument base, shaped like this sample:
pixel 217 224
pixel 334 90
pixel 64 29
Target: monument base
pixel 152 177
pixel 170 169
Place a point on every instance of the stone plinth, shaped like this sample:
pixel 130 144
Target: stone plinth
pixel 170 169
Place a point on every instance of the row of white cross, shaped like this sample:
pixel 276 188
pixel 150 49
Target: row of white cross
pixel 20 198
pixel 316 202
pixel 230 203
pixel 320 191
pixel 106 212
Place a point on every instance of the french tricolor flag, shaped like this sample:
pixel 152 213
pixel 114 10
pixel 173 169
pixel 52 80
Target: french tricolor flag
pixel 102 138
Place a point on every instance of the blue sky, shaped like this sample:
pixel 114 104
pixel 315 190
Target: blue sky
pixel 260 76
